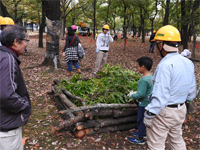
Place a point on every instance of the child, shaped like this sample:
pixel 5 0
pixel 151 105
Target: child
pixel 144 89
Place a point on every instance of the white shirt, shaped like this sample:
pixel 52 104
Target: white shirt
pixel 103 40
pixel 174 82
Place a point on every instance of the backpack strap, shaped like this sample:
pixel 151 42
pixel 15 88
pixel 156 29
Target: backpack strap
pixel 71 41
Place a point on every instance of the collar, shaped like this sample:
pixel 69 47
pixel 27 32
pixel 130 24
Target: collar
pixel 14 51
pixel 169 55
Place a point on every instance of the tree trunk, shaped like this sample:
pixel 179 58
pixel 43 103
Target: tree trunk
pixel 94 18
pixel 142 24
pixel 166 18
pixel 52 13
pixel 41 30
pixel 184 25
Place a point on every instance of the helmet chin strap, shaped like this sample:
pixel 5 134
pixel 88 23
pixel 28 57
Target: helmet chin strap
pixel 160 50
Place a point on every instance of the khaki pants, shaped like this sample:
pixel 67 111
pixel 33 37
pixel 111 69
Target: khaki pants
pixel 11 140
pixel 100 60
pixel 167 126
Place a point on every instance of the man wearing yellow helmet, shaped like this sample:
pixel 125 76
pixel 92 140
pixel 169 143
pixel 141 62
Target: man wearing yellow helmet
pixel 152 42
pixel 6 21
pixel 102 48
pixel 174 83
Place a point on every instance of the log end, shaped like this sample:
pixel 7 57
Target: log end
pixel 86 115
pixel 80 133
pixel 62 112
pixel 79 127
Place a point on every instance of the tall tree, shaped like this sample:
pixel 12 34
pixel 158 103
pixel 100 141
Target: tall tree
pixel 166 18
pixel 3 10
pixel 52 13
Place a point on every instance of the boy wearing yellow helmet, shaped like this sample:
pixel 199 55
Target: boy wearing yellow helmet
pixel 102 48
pixel 174 83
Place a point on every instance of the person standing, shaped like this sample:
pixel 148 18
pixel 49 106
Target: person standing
pixel 0 26
pixel 152 42
pixel 186 53
pixel 174 83
pixel 74 28
pixel 15 108
pixel 70 51
pixel 144 89
pixel 102 48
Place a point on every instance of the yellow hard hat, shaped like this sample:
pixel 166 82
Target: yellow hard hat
pixel 1 19
pixel 7 21
pixel 154 31
pixel 168 33
pixel 106 27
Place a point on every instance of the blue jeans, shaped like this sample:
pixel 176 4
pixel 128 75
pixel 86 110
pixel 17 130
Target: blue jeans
pixel 75 63
pixel 140 123
pixel 151 49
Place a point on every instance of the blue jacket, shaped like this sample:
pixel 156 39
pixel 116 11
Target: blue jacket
pixel 15 105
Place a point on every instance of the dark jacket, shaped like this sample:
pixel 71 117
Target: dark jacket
pixel 15 105
pixel 69 40
pixel 152 37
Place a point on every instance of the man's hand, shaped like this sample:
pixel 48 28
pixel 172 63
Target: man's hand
pixel 97 50
pixel 148 119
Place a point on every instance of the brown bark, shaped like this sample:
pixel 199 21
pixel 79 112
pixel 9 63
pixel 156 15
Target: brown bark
pixel 69 94
pixel 110 112
pixel 68 103
pixel 83 101
pixel 100 106
pixel 91 131
pixel 99 123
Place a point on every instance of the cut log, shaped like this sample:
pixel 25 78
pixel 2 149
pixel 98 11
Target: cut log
pixel 100 106
pixel 69 94
pixel 99 123
pixel 83 101
pixel 68 103
pixel 111 112
pixel 69 122
pixel 91 131
pixel 88 124
pixel 61 106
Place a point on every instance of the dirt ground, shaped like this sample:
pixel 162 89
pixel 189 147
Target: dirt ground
pixel 44 112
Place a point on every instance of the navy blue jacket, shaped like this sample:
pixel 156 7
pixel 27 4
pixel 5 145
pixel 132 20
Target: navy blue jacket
pixel 15 105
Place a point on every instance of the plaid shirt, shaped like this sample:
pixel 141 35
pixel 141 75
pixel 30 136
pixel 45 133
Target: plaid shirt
pixel 71 53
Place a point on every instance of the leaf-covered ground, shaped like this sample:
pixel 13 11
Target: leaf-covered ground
pixel 44 112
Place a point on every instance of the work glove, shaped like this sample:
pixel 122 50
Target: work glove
pixel 148 119
pixel 131 92
pixel 97 50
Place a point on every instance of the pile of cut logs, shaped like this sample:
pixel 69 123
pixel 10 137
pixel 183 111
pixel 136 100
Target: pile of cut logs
pixel 91 119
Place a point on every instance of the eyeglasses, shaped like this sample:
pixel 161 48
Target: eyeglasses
pixel 25 40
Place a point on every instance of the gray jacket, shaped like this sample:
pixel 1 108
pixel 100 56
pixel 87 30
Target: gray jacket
pixel 15 105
